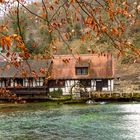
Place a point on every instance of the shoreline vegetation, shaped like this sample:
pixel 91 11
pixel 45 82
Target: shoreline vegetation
pixel 54 103
pixel 68 99
pixel 73 97
pixel 34 106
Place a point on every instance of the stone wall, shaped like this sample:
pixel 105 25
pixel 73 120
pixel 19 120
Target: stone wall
pixel 122 89
pixel 123 86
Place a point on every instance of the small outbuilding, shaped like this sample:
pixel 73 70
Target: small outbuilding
pixel 25 77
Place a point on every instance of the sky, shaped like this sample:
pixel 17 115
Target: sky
pixel 2 7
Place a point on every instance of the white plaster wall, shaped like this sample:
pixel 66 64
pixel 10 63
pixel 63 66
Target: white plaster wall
pixel 15 83
pixel 55 88
pixel 51 89
pixel 109 83
pixel 37 83
pixel 41 81
pixel 112 85
pixel 88 89
pixel 12 83
pixel 105 89
pixel 63 90
pixel 3 84
pixel 66 93
pixel 25 83
pixel 70 83
pixel 67 90
pixel 94 88
pixel 93 85
pixel 34 83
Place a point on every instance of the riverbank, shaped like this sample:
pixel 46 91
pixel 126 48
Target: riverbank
pixel 59 102
pixel 71 101
pixel 34 106
pixel 95 96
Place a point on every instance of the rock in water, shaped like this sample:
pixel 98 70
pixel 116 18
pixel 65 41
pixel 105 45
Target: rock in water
pixel 90 102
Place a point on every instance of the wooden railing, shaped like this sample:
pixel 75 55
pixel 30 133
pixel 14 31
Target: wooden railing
pixel 29 90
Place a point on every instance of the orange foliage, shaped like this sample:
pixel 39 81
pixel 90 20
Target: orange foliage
pixel 10 96
pixel 1 1
pixel 42 70
pixel 5 41
pixel 98 17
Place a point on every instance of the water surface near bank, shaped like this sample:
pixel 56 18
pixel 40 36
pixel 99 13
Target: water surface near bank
pixel 43 121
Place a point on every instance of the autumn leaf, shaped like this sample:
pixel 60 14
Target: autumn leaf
pixel 51 7
pixel 114 31
pixel 7 54
pixel 83 38
pixel 89 20
pixel 104 29
pixel 56 1
pixel 14 36
pixel 71 1
pixel 42 70
pixel 35 3
pixel 1 1
pixel 24 73
pixel 5 41
pixel 34 74
pixel 2 43
pixel 8 42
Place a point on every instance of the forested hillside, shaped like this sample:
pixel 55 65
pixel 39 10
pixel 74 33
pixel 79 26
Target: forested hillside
pixel 62 27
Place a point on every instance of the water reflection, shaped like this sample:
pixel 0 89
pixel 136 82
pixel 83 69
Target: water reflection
pixel 132 119
pixel 70 122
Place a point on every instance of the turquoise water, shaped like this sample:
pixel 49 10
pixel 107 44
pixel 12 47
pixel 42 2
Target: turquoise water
pixel 70 122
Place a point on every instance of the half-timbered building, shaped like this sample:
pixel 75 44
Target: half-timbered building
pixel 25 77
pixel 93 71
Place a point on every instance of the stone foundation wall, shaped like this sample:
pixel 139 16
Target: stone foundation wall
pixel 126 86
pixel 122 89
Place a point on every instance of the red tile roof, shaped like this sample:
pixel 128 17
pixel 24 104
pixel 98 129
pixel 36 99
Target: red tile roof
pixel 100 66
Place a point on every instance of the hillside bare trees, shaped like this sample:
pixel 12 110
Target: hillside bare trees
pixel 57 20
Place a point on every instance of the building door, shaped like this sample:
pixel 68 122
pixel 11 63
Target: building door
pixel 99 85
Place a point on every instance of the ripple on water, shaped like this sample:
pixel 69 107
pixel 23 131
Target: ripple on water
pixel 86 122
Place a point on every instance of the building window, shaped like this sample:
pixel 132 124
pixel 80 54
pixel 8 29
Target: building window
pixel 81 70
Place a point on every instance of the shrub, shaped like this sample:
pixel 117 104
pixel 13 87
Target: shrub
pixel 56 93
